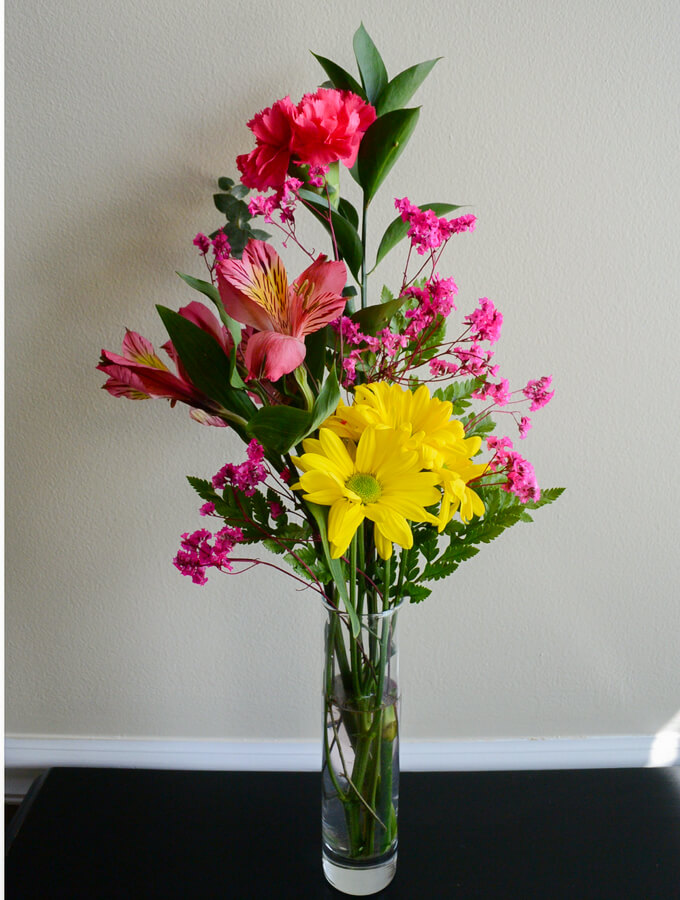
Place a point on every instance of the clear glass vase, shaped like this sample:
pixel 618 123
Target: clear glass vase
pixel 360 774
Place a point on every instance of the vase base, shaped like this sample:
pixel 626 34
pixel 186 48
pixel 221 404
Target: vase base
pixel 360 881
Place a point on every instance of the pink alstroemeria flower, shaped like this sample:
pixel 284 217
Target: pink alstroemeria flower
pixel 255 292
pixel 140 374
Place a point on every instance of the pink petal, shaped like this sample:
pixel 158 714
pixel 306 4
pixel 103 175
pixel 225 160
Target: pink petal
pixel 200 315
pixel 140 350
pixel 327 277
pixel 204 418
pixel 254 289
pixel 271 355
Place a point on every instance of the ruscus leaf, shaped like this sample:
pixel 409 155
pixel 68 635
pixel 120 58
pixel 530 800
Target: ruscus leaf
pixel 371 66
pixel 381 146
pixel 340 79
pixel 403 86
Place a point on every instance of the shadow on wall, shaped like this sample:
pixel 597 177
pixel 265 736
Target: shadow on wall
pixel 665 749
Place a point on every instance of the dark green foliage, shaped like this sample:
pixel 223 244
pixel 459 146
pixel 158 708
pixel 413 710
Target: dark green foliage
pixel 237 227
pixel 345 232
pixel 371 66
pixel 403 86
pixel 206 363
pixel 381 146
pixel 427 561
pixel 234 327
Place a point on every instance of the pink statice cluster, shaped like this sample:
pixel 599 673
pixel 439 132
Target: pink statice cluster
pixel 474 360
pixel 325 127
pixel 440 368
pixel 202 550
pixel 485 322
pixel 246 476
pixel 498 393
pixel 539 392
pixel 276 509
pixel 219 245
pixel 434 299
pixel 519 473
pixel 284 199
pixel 317 175
pixel 385 342
pixel 426 230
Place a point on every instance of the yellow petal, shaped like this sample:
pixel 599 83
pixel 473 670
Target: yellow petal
pixel 344 517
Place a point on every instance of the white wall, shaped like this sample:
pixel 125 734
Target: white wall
pixel 559 122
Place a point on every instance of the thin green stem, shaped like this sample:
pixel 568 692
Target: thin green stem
pixel 301 378
pixel 364 272
pixel 402 571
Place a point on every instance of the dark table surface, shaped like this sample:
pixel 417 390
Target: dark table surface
pixel 136 833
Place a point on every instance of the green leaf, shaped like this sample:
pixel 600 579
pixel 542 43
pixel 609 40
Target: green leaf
pixel 549 495
pixel 340 79
pixel 386 294
pixel 278 428
pixel 403 86
pixel 346 235
pixel 203 488
pixel 225 184
pixel 205 361
pixel 397 230
pixel 326 403
pixel 234 209
pixel 334 565
pixel 234 327
pixel 205 287
pixel 417 592
pixel 315 358
pixel 371 67
pixel 381 146
pixel 427 343
pixel 372 318
pixel 349 212
pixel 306 559
pixel 448 562
pixel 259 234
pixel 240 190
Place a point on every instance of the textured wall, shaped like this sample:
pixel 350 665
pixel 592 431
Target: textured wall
pixel 559 122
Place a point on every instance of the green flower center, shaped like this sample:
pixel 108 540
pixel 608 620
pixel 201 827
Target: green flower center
pixel 366 486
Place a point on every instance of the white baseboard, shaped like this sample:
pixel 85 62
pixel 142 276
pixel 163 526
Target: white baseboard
pixel 26 757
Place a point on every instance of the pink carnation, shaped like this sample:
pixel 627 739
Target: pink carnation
pixel 267 164
pixel 324 127
pixel 329 126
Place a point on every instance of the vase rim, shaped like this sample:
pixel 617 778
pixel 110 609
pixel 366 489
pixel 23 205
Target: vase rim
pixel 379 614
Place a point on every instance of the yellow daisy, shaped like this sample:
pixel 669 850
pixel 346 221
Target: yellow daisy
pixel 379 480
pixel 426 420
pixel 456 473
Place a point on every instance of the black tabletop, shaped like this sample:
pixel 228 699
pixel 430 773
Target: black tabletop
pixel 134 833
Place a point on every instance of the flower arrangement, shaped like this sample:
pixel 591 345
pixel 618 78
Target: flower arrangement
pixel 372 464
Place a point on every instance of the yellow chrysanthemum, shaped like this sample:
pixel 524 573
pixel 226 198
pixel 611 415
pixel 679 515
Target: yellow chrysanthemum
pixel 426 420
pixel 456 473
pixel 379 480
